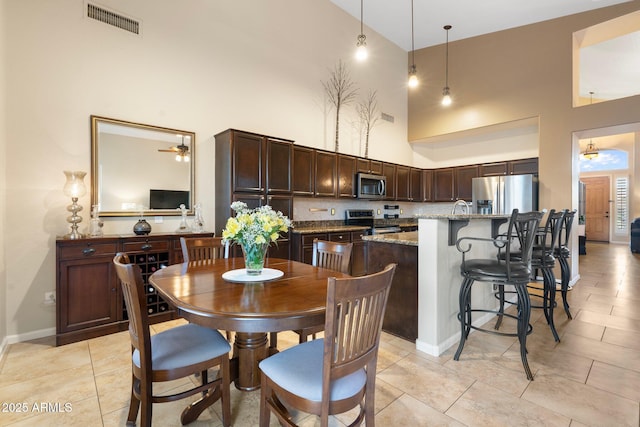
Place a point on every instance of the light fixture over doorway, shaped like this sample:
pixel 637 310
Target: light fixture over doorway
pixel 591 152
pixel 413 77
pixel 446 95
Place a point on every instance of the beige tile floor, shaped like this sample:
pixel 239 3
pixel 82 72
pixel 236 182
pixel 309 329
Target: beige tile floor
pixel 590 378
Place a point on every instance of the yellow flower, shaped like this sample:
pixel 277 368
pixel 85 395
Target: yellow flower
pixel 260 239
pixel 274 236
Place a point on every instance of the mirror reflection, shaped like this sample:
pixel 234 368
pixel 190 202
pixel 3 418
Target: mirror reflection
pixel 141 168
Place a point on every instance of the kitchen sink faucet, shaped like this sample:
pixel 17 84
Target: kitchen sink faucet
pixel 462 203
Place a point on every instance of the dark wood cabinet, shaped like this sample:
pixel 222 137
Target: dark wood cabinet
pixel 494 169
pixel 463 181
pixel 416 192
pixel 443 181
pixel 278 166
pixel 326 174
pixel 524 166
pixel 89 300
pixel 376 167
pixel 427 185
pixel 249 167
pixel 346 176
pixel 302 247
pixel 402 183
pixel 358 254
pixel 389 171
pixel 303 172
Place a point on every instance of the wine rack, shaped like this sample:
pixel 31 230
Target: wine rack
pixel 149 263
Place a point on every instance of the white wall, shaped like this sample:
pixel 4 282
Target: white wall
pixel 3 196
pixel 203 66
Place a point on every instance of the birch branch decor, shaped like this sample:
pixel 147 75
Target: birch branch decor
pixel 340 91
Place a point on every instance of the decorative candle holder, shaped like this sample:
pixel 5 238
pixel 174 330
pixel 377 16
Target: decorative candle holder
pixel 74 188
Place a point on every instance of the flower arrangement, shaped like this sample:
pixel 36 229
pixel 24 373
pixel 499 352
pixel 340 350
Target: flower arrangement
pixel 254 230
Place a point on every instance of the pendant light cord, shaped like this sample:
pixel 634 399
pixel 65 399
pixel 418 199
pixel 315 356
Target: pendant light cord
pixel 361 16
pixel 413 49
pixel 446 66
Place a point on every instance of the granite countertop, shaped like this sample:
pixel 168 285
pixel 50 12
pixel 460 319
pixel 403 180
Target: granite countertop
pixel 463 216
pixel 409 238
pixel 327 229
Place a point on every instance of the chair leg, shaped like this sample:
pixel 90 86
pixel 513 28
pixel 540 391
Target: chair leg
pixel 565 270
pixel 273 342
pixel 524 315
pixel 501 309
pixel 464 300
pixel 134 404
pixel 550 299
pixel 265 411
pixel 146 404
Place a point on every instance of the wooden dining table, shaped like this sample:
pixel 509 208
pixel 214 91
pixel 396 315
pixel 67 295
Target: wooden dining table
pixel 201 295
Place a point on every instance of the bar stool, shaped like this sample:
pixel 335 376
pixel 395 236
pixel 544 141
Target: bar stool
pixel 562 253
pixel 542 258
pixel 512 266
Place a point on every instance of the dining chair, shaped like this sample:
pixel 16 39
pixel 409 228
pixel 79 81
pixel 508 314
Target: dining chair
pixel 197 249
pixel 510 266
pixel 172 354
pixel 336 373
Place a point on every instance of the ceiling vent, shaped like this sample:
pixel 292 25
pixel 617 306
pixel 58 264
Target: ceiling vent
pixel 108 17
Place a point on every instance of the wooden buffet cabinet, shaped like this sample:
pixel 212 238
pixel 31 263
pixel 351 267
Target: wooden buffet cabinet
pixel 88 294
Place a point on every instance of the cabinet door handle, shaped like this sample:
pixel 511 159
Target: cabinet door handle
pixel 88 251
pixel 146 247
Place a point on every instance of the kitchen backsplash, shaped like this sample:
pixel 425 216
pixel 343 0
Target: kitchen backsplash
pixel 318 209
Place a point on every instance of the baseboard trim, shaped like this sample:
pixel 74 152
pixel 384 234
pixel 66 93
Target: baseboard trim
pixel 33 335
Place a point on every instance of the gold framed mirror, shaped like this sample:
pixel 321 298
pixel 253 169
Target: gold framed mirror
pixel 138 168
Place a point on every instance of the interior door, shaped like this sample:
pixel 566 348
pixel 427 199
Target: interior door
pixel 597 208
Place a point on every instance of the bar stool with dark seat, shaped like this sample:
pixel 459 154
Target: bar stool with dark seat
pixel 562 254
pixel 504 269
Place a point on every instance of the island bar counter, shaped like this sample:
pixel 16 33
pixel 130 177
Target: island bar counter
pixel 438 273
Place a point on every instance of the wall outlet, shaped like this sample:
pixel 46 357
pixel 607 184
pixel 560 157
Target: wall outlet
pixel 333 211
pixel 50 298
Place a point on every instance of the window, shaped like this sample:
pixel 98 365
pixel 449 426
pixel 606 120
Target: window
pixel 609 159
pixel 621 214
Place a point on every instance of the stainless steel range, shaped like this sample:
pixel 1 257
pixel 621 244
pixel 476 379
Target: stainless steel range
pixel 365 218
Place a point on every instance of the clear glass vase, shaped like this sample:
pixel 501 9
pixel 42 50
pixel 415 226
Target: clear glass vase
pixel 254 256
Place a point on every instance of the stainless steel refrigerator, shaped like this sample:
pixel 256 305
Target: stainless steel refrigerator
pixel 502 194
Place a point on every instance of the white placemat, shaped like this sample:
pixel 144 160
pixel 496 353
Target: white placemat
pixel 241 275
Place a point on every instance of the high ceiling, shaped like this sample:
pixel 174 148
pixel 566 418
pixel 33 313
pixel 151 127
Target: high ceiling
pixel 469 18
pixel 609 69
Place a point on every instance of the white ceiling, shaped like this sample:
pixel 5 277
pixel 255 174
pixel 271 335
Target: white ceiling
pixel 469 18
pixel 608 69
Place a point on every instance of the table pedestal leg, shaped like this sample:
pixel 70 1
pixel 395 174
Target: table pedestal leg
pixel 249 348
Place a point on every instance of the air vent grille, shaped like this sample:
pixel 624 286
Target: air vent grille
pixel 387 117
pixel 111 18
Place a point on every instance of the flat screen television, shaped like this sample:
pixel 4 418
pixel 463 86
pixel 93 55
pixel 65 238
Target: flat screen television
pixel 168 199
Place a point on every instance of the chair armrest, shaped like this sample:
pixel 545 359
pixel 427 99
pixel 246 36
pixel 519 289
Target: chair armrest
pixel 498 243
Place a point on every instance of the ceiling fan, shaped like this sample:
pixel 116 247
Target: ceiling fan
pixel 181 151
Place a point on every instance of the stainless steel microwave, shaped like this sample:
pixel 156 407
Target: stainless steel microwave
pixel 371 186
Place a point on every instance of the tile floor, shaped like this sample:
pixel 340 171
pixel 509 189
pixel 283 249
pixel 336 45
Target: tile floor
pixel 590 378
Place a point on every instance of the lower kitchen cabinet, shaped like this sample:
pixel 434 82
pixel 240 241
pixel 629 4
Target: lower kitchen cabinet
pixel 401 316
pixel 89 300
pixel 302 247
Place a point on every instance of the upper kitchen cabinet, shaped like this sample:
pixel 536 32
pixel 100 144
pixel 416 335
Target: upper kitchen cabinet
pixel 369 166
pixel 346 176
pixel 524 166
pixel 389 171
pixel 463 181
pixel 427 185
pixel 279 163
pixel 513 167
pixel 416 191
pixel 248 167
pixel 402 182
pixel 326 174
pixel 443 190
pixel 303 171
pixel 494 169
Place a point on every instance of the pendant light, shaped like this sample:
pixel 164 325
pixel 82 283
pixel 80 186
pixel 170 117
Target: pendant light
pixel 361 45
pixel 591 152
pixel 413 77
pixel 446 96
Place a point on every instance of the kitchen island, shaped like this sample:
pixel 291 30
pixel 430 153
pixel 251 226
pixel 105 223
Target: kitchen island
pixel 438 280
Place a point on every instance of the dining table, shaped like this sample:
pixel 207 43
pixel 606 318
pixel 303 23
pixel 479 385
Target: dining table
pixel 288 295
